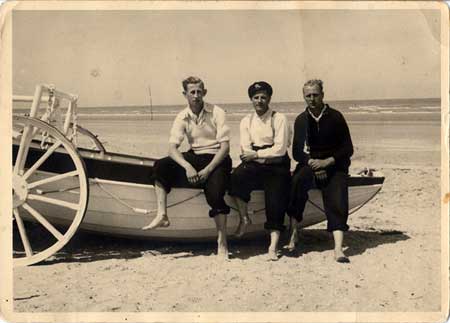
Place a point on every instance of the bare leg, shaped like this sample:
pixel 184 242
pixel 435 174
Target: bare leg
pixel 161 219
pixel 222 246
pixel 244 220
pixel 339 255
pixel 294 235
pixel 274 238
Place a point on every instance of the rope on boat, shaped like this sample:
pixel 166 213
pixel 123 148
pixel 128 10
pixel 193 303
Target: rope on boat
pixel 373 195
pixel 42 192
pixel 353 210
pixel 249 212
pixel 319 208
pixel 139 210
pixel 314 204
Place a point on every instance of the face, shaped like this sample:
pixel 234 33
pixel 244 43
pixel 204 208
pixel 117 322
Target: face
pixel 261 102
pixel 194 94
pixel 313 96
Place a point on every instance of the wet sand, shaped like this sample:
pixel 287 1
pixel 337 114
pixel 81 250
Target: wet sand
pixel 393 244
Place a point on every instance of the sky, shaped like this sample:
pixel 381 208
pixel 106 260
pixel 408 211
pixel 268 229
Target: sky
pixel 110 58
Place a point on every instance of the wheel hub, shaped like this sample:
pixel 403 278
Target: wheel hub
pixel 20 190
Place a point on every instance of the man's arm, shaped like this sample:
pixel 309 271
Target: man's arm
pixel 224 150
pixel 247 152
pixel 280 139
pixel 177 156
pixel 177 134
pixel 223 137
pixel 345 149
pixel 299 142
pixel 343 152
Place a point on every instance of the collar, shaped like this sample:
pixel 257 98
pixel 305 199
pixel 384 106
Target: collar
pixel 188 114
pixel 266 115
pixel 322 113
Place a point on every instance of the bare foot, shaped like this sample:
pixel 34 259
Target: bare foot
pixel 242 227
pixel 292 242
pixel 222 251
pixel 272 255
pixel 161 220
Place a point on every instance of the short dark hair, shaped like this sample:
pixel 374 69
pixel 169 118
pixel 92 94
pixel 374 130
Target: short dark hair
pixel 314 82
pixel 192 80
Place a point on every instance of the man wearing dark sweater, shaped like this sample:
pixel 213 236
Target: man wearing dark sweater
pixel 322 146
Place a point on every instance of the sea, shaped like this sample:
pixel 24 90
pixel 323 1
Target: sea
pixel 396 109
pixel 401 132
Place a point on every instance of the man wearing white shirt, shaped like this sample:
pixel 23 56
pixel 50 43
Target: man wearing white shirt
pixel 264 139
pixel 206 165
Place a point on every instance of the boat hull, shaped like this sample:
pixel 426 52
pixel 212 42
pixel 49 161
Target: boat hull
pixel 117 208
pixel 121 208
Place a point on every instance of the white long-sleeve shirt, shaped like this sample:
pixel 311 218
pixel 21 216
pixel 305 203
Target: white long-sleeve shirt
pixel 263 131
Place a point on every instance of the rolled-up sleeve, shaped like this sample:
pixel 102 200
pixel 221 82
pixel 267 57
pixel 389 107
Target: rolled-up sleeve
pixel 280 140
pixel 178 130
pixel 223 131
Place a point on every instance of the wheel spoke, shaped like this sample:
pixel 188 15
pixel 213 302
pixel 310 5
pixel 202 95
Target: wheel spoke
pixel 42 159
pixel 52 179
pixel 43 221
pixel 49 200
pixel 23 149
pixel 23 233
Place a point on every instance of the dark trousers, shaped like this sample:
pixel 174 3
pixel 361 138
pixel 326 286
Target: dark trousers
pixel 170 174
pixel 334 193
pixel 274 179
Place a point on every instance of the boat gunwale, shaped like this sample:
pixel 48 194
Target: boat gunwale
pixel 133 160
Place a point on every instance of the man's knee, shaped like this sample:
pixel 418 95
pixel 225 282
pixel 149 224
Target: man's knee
pixel 304 175
pixel 163 165
pixel 240 183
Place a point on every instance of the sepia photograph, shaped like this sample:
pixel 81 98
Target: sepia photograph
pixel 224 161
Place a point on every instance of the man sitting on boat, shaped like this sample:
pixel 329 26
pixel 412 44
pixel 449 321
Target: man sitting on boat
pixel 206 165
pixel 322 147
pixel 264 139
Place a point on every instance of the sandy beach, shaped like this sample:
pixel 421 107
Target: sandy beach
pixel 393 244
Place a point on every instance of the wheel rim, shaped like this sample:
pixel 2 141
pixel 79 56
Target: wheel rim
pixel 50 188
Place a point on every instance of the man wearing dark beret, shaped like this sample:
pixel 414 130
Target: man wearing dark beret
pixel 322 147
pixel 264 140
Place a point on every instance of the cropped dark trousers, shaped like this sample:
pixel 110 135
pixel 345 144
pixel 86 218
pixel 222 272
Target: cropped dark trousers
pixel 170 174
pixel 334 194
pixel 274 179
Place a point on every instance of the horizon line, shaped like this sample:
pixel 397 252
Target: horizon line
pixel 274 102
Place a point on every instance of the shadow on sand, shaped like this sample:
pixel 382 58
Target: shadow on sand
pixel 357 241
pixel 87 247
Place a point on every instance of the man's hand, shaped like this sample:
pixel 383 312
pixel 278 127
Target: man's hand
pixel 318 164
pixel 249 156
pixel 204 174
pixel 192 174
pixel 320 175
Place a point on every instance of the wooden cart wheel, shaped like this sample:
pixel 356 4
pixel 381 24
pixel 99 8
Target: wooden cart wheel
pixel 50 188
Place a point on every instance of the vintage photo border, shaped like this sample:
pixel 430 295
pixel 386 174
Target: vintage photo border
pixel 6 272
